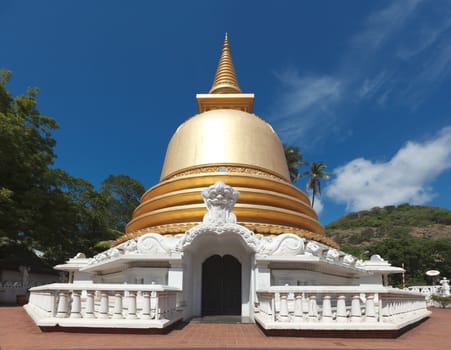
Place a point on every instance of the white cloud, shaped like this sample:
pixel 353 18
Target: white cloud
pixel 318 205
pixel 363 184
pixel 381 25
pixel 400 54
pixel 304 103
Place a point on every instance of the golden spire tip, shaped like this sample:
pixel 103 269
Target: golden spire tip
pixel 226 81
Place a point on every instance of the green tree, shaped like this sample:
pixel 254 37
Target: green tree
pixel 46 208
pixel 123 195
pixel 294 160
pixel 315 174
pixel 26 152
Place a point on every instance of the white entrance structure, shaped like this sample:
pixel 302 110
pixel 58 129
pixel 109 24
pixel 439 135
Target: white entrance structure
pixel 225 232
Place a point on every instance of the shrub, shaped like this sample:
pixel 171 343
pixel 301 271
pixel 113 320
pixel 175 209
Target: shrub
pixel 444 301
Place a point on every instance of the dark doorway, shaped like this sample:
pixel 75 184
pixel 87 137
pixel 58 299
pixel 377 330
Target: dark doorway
pixel 221 286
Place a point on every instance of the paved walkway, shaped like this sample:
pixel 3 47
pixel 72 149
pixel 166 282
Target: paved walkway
pixel 18 332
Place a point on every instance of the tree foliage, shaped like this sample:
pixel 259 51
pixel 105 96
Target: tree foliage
pixel 294 159
pixel 388 232
pixel 315 175
pixel 402 215
pixel 46 208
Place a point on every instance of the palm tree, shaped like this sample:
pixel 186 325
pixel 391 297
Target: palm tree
pixel 294 160
pixel 315 174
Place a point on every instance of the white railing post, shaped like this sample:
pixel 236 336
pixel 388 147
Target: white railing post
pixel 341 308
pixel 75 311
pixel 298 306
pixel 62 309
pixel 89 313
pixel 305 307
pixel 117 312
pixel 104 304
pixel 132 305
pixel 145 314
pixel 313 308
pixel 370 310
pixel 356 311
pixel 54 310
pixel 327 309
pixel 155 311
pixel 273 307
pixel 283 314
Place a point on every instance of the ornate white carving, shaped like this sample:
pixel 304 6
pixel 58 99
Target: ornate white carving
pixel 246 235
pixel 79 256
pixel 349 260
pixel 151 243
pixel 286 244
pixel 312 248
pixel 220 200
pixel 154 243
pixel 332 254
pixel 129 247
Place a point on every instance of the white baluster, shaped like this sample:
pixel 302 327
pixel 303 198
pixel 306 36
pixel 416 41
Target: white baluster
pixel 283 314
pixel 145 314
pixel 132 305
pixel 273 308
pixel 356 311
pixel 305 307
pixel 155 308
pixel 90 304
pixel 104 304
pixel 327 309
pixel 313 308
pixel 117 312
pixel 370 309
pixel 341 308
pixel 62 309
pixel 76 305
pixel 298 306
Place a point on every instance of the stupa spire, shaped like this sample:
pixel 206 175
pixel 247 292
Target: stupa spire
pixel 225 81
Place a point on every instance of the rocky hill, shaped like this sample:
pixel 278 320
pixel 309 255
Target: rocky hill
pixel 370 226
pixel 418 237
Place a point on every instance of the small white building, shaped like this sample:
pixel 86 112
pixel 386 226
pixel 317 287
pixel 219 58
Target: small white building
pixel 225 232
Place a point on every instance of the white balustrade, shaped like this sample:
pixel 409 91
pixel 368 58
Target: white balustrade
pixel 354 305
pixel 114 303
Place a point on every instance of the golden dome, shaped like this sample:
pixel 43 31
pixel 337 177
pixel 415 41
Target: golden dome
pixel 225 137
pixel 225 142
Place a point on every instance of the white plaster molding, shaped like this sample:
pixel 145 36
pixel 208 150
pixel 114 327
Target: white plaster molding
pixel 154 243
pixel 220 200
pixel 246 235
pixel 150 243
pixel 286 244
pixel 332 255
pixel 313 248
pixel 349 260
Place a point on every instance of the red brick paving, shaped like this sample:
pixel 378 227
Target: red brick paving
pixel 18 332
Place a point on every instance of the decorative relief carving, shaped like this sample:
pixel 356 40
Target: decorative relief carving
pixel 349 260
pixel 230 228
pixel 220 200
pixel 230 169
pixel 332 254
pixel 151 243
pixel 154 243
pixel 286 244
pixel 313 248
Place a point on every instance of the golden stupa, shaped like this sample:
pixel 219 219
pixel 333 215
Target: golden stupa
pixel 226 142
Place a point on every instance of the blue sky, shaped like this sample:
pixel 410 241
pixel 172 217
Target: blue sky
pixel 364 86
